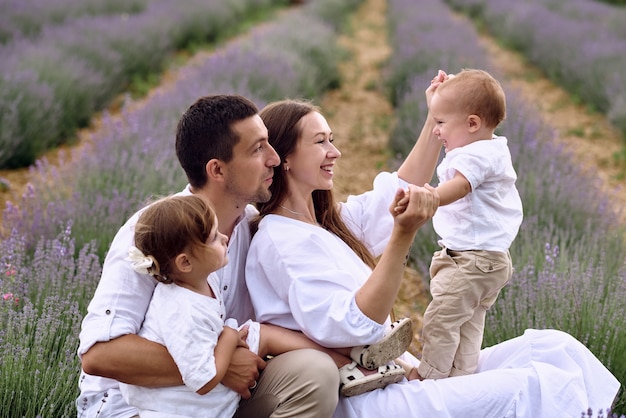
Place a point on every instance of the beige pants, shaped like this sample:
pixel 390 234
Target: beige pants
pixel 302 383
pixel 464 285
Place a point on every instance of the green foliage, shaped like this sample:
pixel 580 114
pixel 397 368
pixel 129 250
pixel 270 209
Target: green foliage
pixel 615 2
pixel 39 325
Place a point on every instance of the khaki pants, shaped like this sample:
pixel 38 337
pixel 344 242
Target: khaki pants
pixel 464 285
pixel 301 383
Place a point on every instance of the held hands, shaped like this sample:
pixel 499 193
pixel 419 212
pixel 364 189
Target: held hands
pixel 414 206
pixel 436 82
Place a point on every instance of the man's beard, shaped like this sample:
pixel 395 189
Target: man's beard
pixel 261 195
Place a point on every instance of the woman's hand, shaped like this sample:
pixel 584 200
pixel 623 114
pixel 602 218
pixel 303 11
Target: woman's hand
pixel 414 206
pixel 436 82
pixel 410 209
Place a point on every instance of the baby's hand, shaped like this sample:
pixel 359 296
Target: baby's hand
pixel 440 77
pixel 400 202
pixel 436 82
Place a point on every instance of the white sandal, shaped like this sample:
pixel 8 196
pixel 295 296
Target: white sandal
pixel 354 382
pixel 396 341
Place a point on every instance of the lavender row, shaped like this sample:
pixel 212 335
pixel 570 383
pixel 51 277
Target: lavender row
pixel 580 44
pixel 52 244
pixel 569 255
pixel 26 18
pixel 53 84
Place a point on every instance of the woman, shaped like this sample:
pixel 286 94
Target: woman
pixel 311 268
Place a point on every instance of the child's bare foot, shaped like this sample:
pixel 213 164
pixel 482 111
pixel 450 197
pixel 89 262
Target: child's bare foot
pixel 414 374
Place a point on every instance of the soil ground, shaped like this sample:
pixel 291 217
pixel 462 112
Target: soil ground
pixel 361 117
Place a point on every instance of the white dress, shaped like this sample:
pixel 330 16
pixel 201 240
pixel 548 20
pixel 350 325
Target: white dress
pixel 302 277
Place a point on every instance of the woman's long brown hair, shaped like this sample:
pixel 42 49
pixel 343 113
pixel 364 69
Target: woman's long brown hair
pixel 282 119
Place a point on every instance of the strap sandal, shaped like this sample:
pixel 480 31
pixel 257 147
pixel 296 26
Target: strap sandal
pixel 354 382
pixel 396 341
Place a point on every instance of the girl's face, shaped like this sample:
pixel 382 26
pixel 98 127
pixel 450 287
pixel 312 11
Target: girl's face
pixel 213 255
pixel 452 126
pixel 312 163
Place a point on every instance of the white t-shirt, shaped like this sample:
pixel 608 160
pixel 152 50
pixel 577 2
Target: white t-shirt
pixel 189 325
pixel 121 300
pixel 489 217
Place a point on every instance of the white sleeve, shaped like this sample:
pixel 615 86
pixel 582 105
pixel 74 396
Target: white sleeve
pixel 121 298
pixel 367 215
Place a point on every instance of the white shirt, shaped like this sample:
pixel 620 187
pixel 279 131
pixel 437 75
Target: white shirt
pixel 189 325
pixel 489 217
pixel 302 277
pixel 121 300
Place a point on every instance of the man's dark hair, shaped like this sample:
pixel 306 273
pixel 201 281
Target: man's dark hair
pixel 205 132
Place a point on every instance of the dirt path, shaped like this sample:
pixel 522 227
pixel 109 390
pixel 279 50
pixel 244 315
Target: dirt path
pixel 360 116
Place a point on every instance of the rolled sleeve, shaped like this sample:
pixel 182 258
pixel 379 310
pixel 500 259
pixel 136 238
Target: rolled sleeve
pixel 121 299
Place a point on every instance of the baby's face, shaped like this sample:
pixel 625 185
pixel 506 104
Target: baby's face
pixel 452 126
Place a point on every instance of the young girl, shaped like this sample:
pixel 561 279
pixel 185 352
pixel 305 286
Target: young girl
pixel 177 242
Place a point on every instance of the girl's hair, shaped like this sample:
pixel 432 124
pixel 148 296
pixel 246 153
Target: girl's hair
pixel 283 121
pixel 476 92
pixel 171 226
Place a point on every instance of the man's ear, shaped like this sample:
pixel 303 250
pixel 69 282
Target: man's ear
pixel 473 123
pixel 183 263
pixel 214 169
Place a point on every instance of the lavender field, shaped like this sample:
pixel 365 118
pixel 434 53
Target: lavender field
pixel 570 255
pixel 53 243
pixel 579 44
pixel 63 60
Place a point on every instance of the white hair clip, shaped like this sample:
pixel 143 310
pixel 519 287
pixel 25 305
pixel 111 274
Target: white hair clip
pixel 140 262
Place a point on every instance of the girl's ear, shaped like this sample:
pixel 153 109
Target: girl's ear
pixel 473 123
pixel 183 263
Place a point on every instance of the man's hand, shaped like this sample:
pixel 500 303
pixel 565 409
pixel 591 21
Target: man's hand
pixel 243 371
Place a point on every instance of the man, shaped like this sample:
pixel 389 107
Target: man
pixel 222 144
